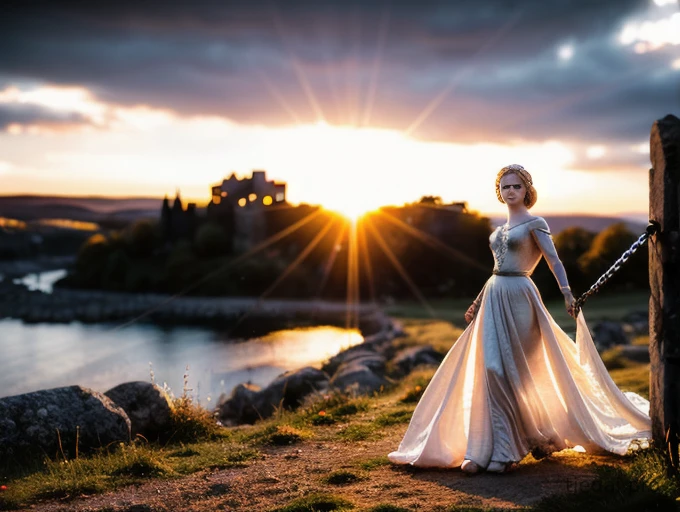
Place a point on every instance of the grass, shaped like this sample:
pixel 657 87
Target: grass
pixel 276 435
pixel 396 417
pixel 384 507
pixel 374 463
pixel 359 432
pixel 642 485
pixel 316 502
pixel 634 378
pixel 342 477
pixel 127 464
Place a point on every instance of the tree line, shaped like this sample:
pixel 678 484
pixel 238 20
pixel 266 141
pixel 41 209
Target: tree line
pixel 423 247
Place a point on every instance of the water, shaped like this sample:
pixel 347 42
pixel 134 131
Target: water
pixel 43 281
pixel 41 356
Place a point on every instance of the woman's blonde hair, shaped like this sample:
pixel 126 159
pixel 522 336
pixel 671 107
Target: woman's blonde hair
pixel 531 195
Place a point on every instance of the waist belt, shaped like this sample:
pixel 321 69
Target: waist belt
pixel 516 274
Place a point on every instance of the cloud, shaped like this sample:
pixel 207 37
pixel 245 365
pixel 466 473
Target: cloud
pixel 34 115
pixel 455 71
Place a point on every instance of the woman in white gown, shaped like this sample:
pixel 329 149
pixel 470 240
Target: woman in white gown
pixel 514 382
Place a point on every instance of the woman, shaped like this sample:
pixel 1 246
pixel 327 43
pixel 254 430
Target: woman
pixel 514 382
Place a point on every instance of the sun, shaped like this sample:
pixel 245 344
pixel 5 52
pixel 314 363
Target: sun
pixel 352 210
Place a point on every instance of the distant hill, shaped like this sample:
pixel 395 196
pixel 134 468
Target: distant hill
pixel 90 209
pixel 592 223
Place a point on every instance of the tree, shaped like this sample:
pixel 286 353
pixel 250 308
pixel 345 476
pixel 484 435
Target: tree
pixel 571 244
pixel 606 248
pixel 211 240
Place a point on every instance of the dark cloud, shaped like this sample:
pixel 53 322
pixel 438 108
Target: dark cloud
pixel 24 114
pixel 492 63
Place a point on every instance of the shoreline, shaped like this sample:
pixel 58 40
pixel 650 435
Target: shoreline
pixel 243 315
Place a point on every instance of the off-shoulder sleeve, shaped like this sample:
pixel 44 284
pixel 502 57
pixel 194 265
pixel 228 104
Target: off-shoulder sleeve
pixel 541 233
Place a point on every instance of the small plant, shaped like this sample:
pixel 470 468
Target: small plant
pixel 412 395
pixel 374 463
pixel 316 503
pixel 189 421
pixel 322 418
pixel 388 508
pixel 341 477
pixel 357 405
pixel 394 418
pixel 280 435
pixel 357 432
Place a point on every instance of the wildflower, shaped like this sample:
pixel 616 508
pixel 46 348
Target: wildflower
pixel 3 487
pixel 322 413
pixel 418 388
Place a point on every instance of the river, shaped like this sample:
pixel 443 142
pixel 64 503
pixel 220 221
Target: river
pixel 100 356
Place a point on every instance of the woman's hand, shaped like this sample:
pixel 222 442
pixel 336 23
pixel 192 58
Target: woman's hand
pixel 470 313
pixel 569 303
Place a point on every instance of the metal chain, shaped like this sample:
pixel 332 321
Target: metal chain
pixel 652 228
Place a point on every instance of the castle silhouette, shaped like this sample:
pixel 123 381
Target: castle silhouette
pixel 237 204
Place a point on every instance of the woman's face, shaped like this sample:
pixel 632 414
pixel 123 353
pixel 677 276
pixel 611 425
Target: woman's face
pixel 512 189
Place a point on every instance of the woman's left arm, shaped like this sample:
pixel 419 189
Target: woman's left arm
pixel 544 241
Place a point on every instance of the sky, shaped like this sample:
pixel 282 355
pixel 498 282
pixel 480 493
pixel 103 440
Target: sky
pixel 351 102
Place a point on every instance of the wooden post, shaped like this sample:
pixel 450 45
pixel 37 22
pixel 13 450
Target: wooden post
pixel 664 280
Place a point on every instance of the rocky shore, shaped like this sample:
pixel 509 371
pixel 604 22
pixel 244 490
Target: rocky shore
pixel 73 416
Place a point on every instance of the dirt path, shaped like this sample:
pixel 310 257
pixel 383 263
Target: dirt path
pixel 282 474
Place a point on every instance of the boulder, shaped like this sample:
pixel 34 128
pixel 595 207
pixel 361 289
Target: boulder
pixel 637 322
pixel 249 403
pixel 358 353
pixel 606 334
pixel 240 406
pixel 147 405
pixel 407 359
pixel 354 376
pixel 50 421
pixel 290 388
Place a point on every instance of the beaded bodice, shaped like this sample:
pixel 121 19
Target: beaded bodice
pixel 515 249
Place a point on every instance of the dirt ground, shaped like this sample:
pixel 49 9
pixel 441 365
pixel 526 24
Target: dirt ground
pixel 282 474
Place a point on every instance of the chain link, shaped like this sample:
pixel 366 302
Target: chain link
pixel 652 228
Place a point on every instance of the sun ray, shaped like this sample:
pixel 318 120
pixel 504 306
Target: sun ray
pixel 297 67
pixel 367 262
pixel 274 92
pixel 322 29
pixel 331 260
pixel 352 89
pixel 399 268
pixel 377 61
pixel 352 278
pixel 433 241
pixel 262 245
pixel 291 266
pixel 432 106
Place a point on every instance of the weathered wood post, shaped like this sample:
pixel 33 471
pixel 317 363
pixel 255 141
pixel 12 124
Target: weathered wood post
pixel 664 280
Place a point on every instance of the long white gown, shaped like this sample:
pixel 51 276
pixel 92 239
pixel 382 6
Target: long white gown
pixel 514 380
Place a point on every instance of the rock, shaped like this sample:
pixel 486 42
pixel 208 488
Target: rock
pixel 607 334
pixel 43 420
pixel 371 359
pixel 239 407
pixel 249 403
pixel 147 406
pixel 638 322
pixel 408 358
pixel 637 353
pixel 354 376
pixel 290 389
